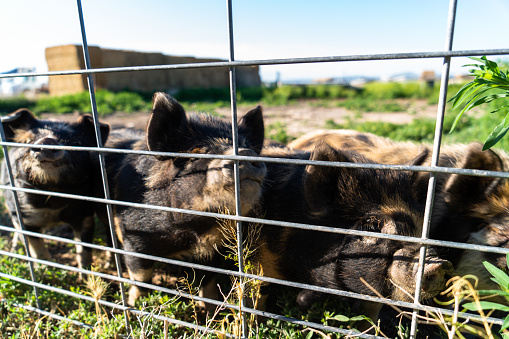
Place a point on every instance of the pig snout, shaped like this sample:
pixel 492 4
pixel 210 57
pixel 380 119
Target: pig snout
pixel 436 273
pixel 248 170
pixel 404 273
pixel 46 154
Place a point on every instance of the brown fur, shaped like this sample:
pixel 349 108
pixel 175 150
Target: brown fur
pixel 481 202
pixel 357 199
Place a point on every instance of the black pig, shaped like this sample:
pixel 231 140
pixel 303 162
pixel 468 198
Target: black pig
pixel 196 184
pixel 54 170
pixel 357 199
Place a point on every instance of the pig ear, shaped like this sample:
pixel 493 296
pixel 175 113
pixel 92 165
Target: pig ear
pixel 252 123
pixel 321 182
pixel 420 179
pixel 461 191
pixel 165 124
pixel 22 119
pixel 421 158
pixel 87 121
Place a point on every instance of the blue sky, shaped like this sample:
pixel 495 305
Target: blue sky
pixel 264 29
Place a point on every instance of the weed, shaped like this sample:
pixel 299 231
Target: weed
pixel 491 84
pixel 277 132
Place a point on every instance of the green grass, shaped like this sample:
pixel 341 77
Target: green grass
pixel 19 323
pixel 367 105
pixel 277 132
pixel 468 129
pixel 374 96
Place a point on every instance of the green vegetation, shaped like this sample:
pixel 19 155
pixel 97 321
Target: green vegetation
pixel 464 296
pixel 490 86
pixel 277 132
pixel 107 323
pixel 469 129
pixel 502 280
pixel 367 105
pixel 372 97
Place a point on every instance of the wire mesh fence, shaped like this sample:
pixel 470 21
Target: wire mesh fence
pixel 238 218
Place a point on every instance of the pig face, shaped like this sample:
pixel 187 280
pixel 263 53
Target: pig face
pixel 53 170
pixel 375 201
pixel 51 166
pixel 205 184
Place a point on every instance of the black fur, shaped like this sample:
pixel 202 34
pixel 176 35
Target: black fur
pixel 52 170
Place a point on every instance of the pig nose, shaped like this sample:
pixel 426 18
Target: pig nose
pixel 45 154
pixel 254 170
pixel 436 274
pixel 251 167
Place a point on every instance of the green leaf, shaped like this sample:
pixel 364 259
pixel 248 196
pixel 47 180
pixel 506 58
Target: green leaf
pixel 505 324
pixel 486 305
pixel 488 98
pixel 491 292
pixel 500 277
pixel 481 59
pixel 458 117
pixel 500 108
pixel 340 317
pixel 495 136
pixel 359 318
pixel 472 101
pixel 466 91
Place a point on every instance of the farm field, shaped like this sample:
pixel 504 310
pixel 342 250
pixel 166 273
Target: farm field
pixel 403 117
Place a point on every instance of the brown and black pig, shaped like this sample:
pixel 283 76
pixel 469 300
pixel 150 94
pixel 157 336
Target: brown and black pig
pixel 467 209
pixel 55 170
pixel 190 183
pixel 355 199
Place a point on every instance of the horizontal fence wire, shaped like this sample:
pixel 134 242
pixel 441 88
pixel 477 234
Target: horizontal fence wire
pixel 390 302
pixel 367 57
pixel 412 168
pixel 432 242
pixel 238 218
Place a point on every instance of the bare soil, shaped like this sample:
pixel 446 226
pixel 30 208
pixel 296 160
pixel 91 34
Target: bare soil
pixel 298 119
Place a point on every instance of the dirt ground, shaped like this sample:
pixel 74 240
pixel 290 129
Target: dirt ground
pixel 298 118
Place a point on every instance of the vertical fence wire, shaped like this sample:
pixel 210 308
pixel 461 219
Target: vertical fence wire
pixel 17 206
pixel 236 164
pixel 444 81
pixel 102 164
pixel 233 98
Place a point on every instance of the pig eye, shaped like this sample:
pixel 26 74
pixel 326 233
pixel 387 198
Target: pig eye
pixel 371 224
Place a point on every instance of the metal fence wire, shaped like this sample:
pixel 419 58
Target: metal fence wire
pixel 424 241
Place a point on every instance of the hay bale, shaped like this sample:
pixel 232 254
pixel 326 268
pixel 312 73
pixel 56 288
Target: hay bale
pixel 70 57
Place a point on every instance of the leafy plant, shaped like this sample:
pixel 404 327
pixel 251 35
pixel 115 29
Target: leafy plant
pixel 490 84
pixel 502 280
